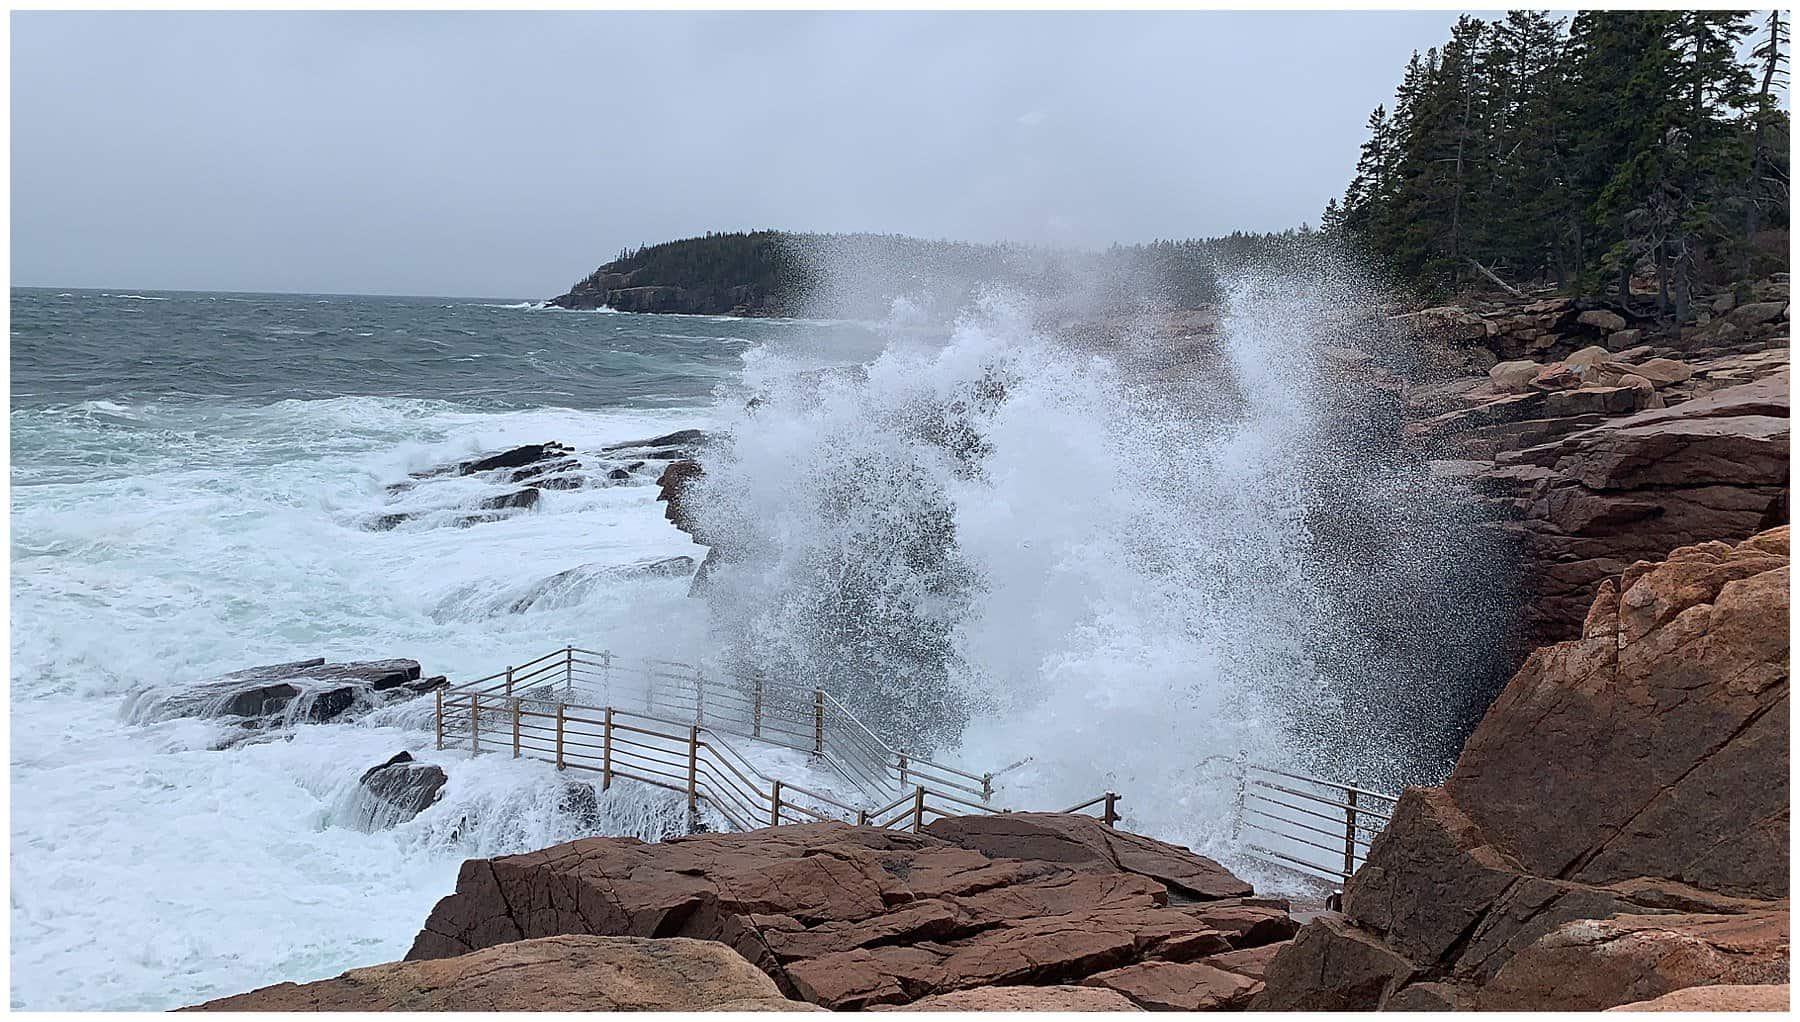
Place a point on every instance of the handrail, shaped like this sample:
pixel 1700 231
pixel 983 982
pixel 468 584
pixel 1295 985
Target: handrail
pixel 1354 815
pixel 683 756
pixel 678 740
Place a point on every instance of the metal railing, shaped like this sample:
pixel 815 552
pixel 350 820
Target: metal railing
pixel 667 725
pixel 1319 827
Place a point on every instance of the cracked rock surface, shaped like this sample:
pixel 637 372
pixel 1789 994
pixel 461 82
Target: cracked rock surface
pixel 853 917
pixel 567 973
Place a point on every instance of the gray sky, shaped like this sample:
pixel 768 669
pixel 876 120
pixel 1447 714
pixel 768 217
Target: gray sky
pixel 507 155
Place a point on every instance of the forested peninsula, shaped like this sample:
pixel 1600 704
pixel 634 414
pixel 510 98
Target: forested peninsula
pixel 1636 156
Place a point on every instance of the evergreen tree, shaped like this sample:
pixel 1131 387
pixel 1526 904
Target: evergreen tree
pixel 1579 153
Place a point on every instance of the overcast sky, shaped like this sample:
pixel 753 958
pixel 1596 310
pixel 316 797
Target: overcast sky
pixel 507 155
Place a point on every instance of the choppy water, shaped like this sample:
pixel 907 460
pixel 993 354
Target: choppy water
pixel 191 477
pixel 988 538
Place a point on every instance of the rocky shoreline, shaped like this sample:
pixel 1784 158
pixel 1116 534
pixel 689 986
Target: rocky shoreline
pixel 1596 440
pixel 1615 833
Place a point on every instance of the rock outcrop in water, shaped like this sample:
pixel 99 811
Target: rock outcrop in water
pixel 400 789
pixel 301 692
pixel 1616 828
pixel 515 480
pixel 852 917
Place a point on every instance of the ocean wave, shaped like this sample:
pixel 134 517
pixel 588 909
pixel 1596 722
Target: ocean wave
pixel 136 298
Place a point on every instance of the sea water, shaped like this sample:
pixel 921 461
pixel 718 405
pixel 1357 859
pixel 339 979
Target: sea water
pixel 1013 547
pixel 192 479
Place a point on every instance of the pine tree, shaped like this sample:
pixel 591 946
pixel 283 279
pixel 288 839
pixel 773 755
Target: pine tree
pixel 1767 184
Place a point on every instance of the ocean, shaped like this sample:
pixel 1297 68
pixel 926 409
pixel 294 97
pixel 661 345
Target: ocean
pixel 1080 568
pixel 193 475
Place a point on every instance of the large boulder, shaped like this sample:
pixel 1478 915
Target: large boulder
pixel 1615 829
pixel 565 973
pixel 853 917
pixel 299 692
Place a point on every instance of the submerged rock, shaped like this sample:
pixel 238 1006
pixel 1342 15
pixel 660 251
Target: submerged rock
pixel 546 466
pixel 561 973
pixel 679 445
pixel 567 588
pixel 531 458
pixel 301 692
pixel 400 789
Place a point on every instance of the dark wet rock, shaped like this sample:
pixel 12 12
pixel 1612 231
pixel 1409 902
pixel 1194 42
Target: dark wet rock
pixel 579 803
pixel 672 490
pixel 304 691
pixel 684 439
pixel 526 498
pixel 544 468
pixel 536 455
pixel 401 789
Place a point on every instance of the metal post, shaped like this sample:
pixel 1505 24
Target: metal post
pixel 559 735
pixel 518 712
pixel 918 809
pixel 693 775
pixel 440 718
pixel 1237 811
pixel 474 723
pixel 568 670
pixel 509 672
pixel 699 697
pixel 987 787
pixel 606 753
pixel 756 701
pixel 775 805
pixel 1110 815
pixel 1349 832
pixel 902 756
pixel 818 722
pixel 862 817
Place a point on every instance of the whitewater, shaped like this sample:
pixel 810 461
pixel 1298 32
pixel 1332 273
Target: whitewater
pixel 1112 584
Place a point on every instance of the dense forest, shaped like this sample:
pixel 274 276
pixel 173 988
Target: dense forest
pixel 745 273
pixel 778 273
pixel 1580 152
